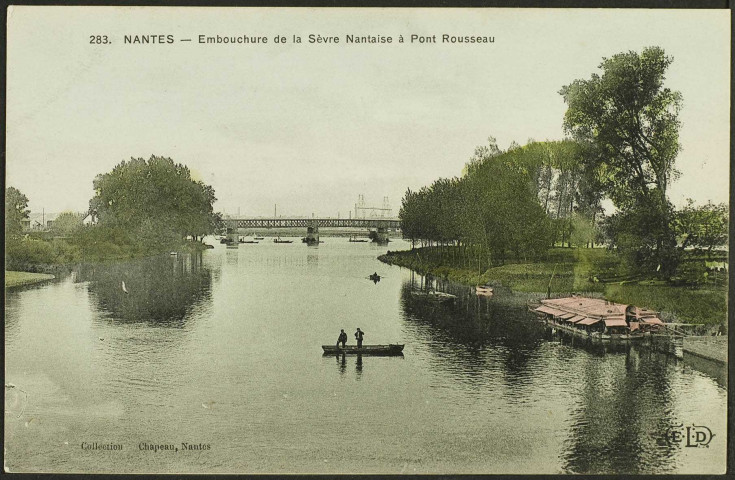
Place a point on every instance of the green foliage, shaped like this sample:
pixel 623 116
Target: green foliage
pixel 30 254
pixel 675 303
pixel 692 273
pixel 631 119
pixel 16 210
pixel 583 230
pixel 702 227
pixel 494 208
pixel 630 123
pixel 156 200
pixel 106 242
pixel 67 224
pixel 28 251
pixel 644 237
pixel 17 279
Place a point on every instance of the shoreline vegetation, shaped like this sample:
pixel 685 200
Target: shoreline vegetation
pixel 36 255
pixel 585 271
pixel 602 192
pixel 18 279
pixel 141 208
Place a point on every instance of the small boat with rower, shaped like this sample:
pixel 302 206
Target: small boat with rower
pixel 278 240
pixel 377 350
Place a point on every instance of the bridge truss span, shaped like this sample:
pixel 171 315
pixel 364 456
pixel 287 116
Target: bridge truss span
pixel 310 222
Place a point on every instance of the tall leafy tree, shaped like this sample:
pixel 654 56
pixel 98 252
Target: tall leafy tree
pixel 632 122
pixel 156 200
pixel 16 210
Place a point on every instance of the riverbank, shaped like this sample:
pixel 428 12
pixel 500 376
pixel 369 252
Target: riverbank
pixel 711 348
pixel 56 255
pixel 17 279
pixel 593 272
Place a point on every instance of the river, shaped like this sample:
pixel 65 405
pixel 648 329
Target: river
pixel 221 351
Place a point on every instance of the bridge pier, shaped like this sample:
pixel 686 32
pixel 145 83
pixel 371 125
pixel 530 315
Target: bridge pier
pixel 232 236
pixel 312 234
pixel 379 236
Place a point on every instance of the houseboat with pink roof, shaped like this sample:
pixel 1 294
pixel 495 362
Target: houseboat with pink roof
pixel 598 318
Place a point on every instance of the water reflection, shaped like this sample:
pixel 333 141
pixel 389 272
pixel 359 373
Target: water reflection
pixel 623 415
pixel 160 290
pixel 475 339
pixel 12 297
pixel 621 393
pixel 312 260
pixel 232 256
pixel 471 321
pixel 341 363
pixel 358 367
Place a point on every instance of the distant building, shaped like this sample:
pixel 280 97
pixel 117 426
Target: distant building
pixel 39 222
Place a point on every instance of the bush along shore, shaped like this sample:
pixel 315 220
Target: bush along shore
pixel 141 208
pixel 57 256
pixel 585 271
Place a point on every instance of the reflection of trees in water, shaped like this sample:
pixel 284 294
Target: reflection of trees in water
pixel 161 289
pixel 592 346
pixel 624 413
pixel 12 297
pixel 312 260
pixel 471 320
pixel 462 331
pixel 232 256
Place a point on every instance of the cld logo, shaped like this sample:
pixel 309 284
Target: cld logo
pixel 693 436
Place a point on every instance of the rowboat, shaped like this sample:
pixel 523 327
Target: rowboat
pixel 391 349
pixel 278 240
pixel 435 296
pixel 484 290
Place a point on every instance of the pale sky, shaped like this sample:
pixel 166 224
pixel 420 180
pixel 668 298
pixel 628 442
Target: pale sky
pixel 311 126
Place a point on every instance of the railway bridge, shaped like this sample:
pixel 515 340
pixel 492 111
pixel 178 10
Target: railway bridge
pixel 379 226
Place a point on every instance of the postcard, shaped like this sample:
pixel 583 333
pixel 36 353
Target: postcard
pixel 366 240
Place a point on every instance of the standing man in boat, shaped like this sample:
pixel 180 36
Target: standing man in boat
pixel 358 335
pixel 342 339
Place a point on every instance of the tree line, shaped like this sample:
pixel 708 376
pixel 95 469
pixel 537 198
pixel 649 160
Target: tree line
pixel 623 140
pixel 139 207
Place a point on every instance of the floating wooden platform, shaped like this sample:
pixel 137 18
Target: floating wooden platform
pixel 598 318
pixel 391 349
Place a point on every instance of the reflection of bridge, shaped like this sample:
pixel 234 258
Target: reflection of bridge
pixel 378 223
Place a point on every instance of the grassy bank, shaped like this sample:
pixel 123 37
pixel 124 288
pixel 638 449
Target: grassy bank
pixel 585 271
pixel 17 279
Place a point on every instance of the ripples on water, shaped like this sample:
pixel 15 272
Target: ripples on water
pixel 224 348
